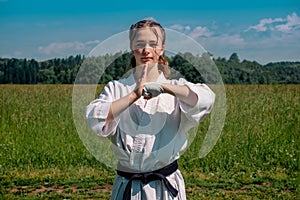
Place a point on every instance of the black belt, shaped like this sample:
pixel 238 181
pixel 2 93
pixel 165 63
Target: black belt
pixel 147 177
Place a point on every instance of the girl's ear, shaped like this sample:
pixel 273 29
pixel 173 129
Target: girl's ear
pixel 162 50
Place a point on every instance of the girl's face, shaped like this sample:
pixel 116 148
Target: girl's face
pixel 147 46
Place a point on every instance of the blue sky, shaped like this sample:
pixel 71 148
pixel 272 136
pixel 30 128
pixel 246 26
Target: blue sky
pixel 260 30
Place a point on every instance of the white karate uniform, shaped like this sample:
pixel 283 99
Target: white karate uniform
pixel 150 134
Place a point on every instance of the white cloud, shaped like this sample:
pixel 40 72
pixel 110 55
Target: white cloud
pixel 275 33
pixel 212 40
pixel 5 56
pixel 271 39
pixel 177 27
pixel 18 53
pixel 92 42
pixel 228 42
pixel 15 54
pixel 150 18
pixel 180 28
pixel 263 24
pixel 281 34
pixel 290 23
pixel 226 39
pixel 187 28
pixel 200 31
pixel 60 48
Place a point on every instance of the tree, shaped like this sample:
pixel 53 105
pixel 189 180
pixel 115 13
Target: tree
pixel 194 68
pixel 234 59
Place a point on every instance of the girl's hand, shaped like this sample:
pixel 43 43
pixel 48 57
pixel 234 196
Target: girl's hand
pixel 152 89
pixel 140 80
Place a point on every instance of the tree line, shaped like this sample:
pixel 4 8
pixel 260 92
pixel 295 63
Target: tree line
pixel 194 68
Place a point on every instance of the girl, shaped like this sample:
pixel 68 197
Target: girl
pixel 147 116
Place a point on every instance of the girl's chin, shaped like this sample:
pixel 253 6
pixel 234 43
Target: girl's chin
pixel 146 62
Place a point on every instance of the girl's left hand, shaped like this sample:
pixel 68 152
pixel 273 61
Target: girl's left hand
pixel 152 89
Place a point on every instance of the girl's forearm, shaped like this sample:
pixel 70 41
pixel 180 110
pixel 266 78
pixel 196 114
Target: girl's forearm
pixel 182 92
pixel 118 106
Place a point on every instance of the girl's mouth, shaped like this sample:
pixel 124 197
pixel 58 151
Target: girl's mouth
pixel 146 59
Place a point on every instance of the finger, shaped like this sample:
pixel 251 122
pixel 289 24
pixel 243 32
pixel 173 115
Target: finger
pixel 145 70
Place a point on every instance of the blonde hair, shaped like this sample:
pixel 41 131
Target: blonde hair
pixel 149 23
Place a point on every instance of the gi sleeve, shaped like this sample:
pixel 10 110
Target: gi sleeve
pixel 97 111
pixel 203 107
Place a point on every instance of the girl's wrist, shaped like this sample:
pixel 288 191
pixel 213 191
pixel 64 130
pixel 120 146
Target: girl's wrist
pixel 167 89
pixel 134 95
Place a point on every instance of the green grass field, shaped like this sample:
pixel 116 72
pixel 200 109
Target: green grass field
pixel 256 157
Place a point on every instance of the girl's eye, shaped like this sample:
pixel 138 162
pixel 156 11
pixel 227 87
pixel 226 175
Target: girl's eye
pixel 143 45
pixel 140 45
pixel 153 45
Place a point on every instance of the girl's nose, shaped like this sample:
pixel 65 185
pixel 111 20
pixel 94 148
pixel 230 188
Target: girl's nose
pixel 146 49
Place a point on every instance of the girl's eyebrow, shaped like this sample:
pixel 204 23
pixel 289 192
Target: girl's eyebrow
pixel 140 41
pixel 152 41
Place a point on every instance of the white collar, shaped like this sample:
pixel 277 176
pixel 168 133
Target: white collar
pixel 161 78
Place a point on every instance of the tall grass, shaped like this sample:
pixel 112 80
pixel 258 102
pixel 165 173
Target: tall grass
pixel 261 129
pixel 257 155
pixel 37 130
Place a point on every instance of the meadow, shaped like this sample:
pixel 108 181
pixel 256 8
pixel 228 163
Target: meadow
pixel 256 157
